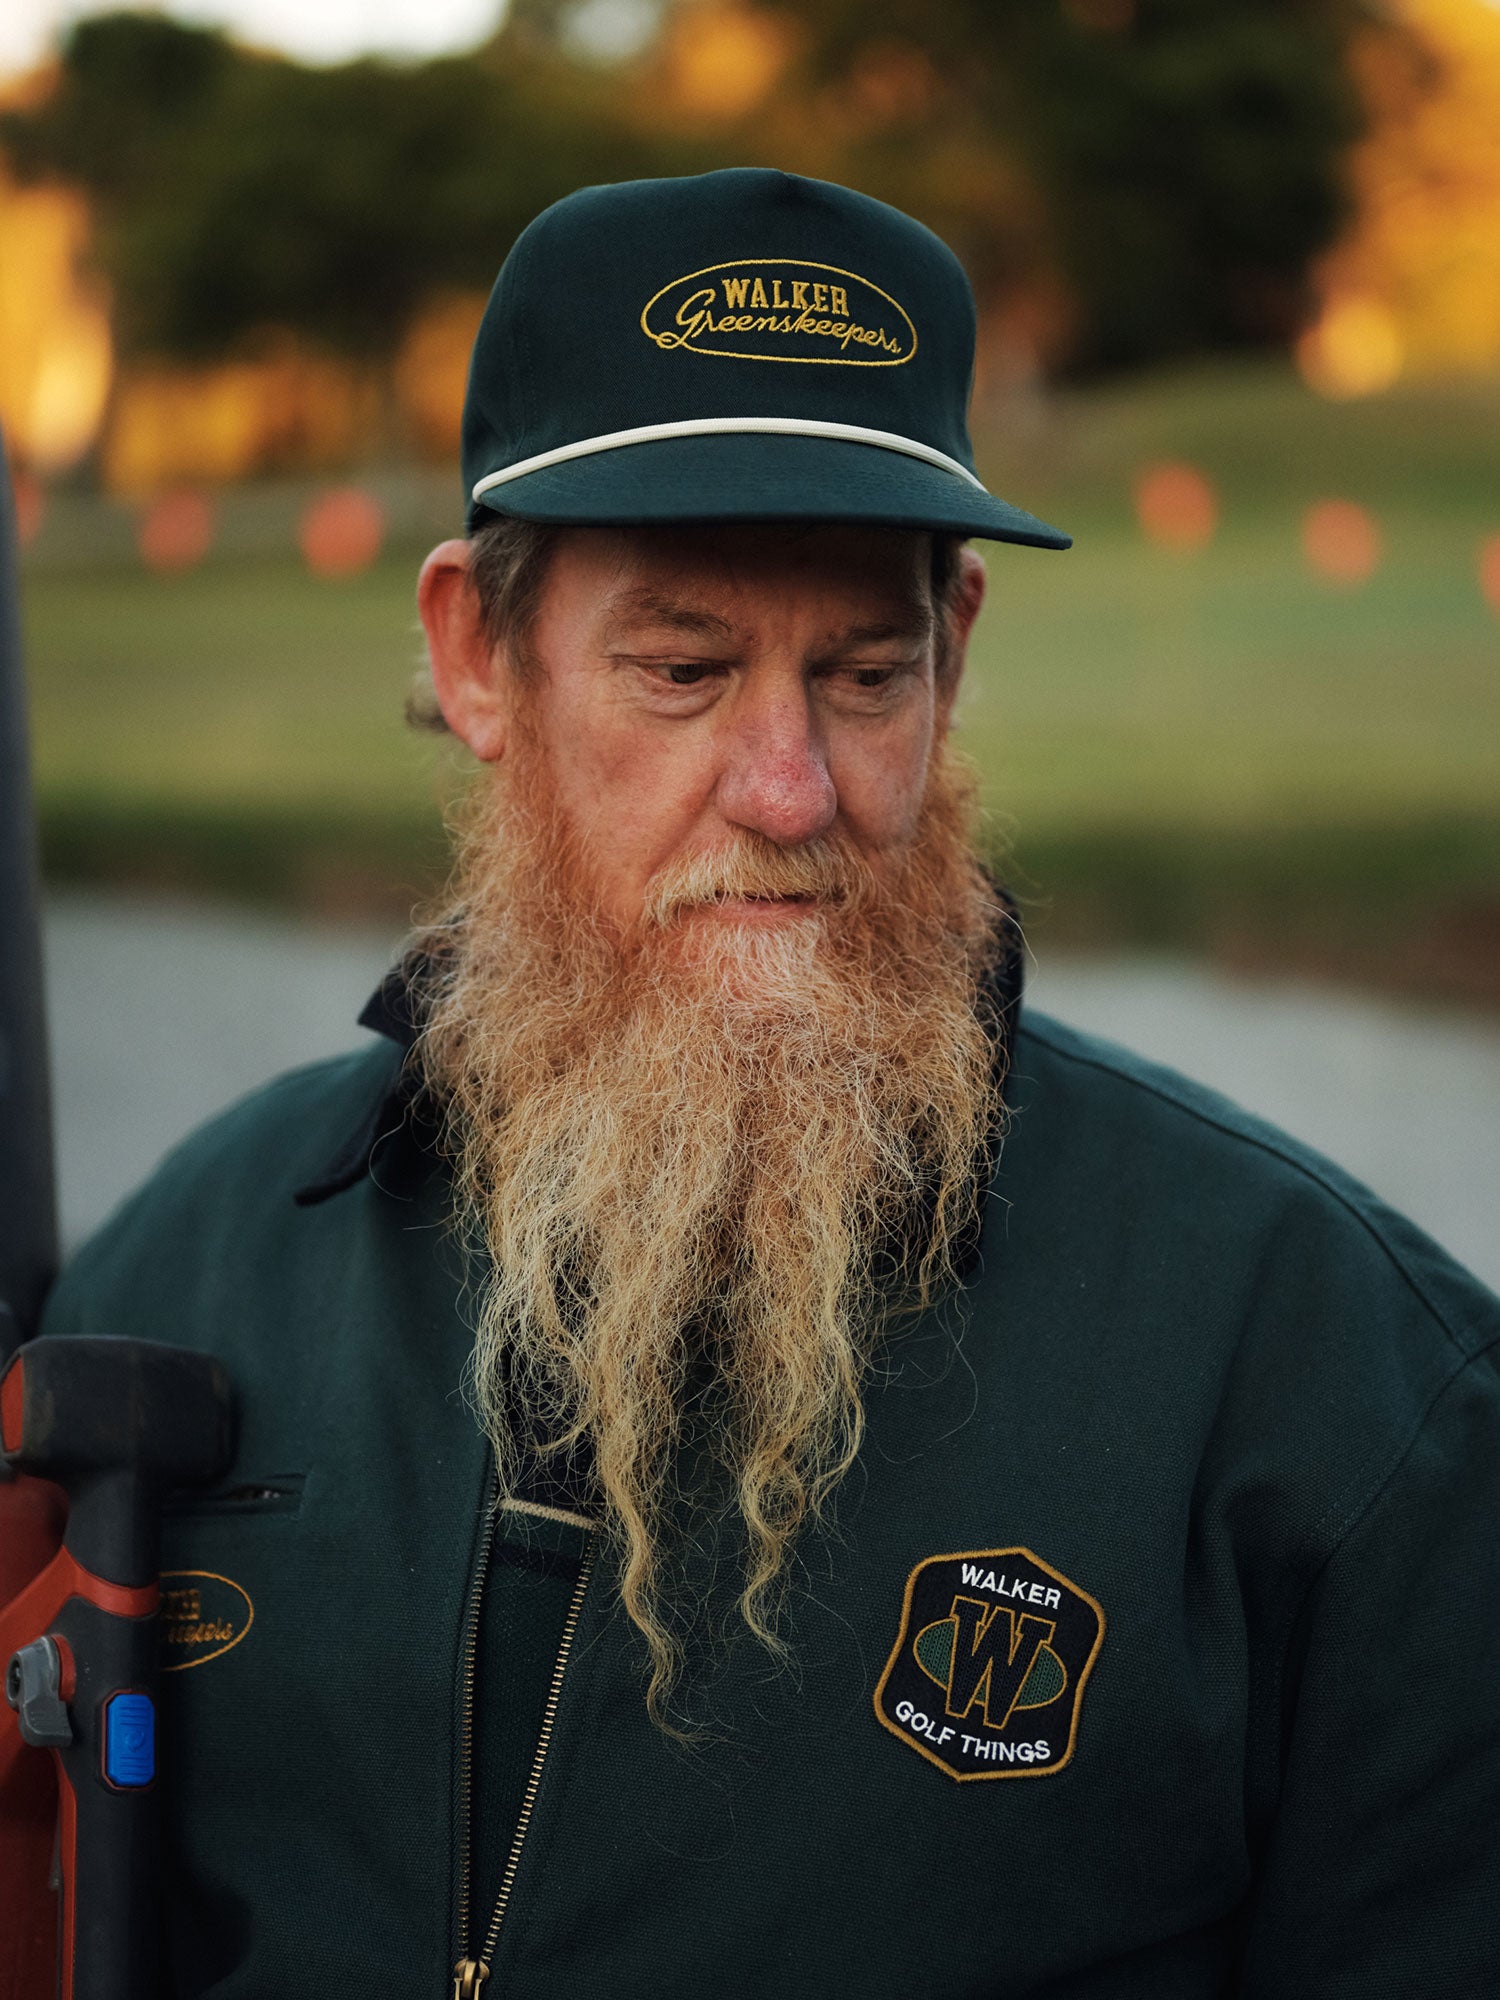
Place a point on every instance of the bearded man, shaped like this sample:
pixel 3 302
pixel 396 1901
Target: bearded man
pixel 939 1506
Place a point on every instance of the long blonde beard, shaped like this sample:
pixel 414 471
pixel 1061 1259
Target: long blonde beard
pixel 713 1145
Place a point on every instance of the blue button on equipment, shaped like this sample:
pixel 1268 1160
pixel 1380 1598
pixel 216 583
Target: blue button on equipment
pixel 129 1739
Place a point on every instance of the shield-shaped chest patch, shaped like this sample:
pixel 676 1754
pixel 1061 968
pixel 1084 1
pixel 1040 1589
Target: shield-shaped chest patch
pixel 988 1669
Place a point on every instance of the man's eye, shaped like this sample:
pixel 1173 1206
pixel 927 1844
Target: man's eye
pixel 684 673
pixel 871 680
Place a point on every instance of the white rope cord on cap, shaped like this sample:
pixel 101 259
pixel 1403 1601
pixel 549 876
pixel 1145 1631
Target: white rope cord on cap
pixel 718 427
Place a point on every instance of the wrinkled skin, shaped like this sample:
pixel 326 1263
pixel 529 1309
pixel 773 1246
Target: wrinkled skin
pixel 686 684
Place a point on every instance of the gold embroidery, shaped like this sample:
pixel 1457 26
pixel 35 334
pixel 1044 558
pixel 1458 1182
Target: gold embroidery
pixel 738 304
pixel 186 1624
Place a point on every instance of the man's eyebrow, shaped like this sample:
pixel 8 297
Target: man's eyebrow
pixel 651 607
pixel 916 624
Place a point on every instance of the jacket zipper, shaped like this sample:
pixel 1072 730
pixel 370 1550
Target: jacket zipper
pixel 466 1722
pixel 470 1974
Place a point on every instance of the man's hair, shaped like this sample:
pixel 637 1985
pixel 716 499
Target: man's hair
pixel 508 561
pixel 507 567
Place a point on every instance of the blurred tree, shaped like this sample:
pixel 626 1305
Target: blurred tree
pixel 1172 165
pixel 1126 179
pixel 1416 281
pixel 237 192
pixel 1167 167
pixel 1192 154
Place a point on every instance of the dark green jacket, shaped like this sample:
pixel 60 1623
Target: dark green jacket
pixel 1183 1523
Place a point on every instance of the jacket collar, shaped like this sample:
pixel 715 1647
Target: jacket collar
pixel 401 1128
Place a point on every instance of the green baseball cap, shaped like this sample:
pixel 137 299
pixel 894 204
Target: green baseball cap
pixel 737 346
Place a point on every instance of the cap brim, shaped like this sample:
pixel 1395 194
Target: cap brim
pixel 749 477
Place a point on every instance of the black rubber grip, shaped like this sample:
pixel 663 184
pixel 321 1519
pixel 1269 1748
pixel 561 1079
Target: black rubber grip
pixel 112 1915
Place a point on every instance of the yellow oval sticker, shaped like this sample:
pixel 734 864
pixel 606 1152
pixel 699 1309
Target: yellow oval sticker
pixel 781 309
pixel 203 1615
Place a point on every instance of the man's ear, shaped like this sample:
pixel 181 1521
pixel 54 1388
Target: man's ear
pixel 968 596
pixel 469 675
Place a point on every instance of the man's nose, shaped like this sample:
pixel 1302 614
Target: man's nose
pixel 775 777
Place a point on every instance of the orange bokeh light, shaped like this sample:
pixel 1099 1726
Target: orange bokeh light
pixel 176 531
pixel 1489 572
pixel 724 58
pixel 28 499
pixel 1176 505
pixel 1354 350
pixel 341 531
pixel 56 352
pixel 1341 541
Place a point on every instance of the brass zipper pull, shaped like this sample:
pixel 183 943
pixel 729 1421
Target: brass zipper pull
pixel 468 1976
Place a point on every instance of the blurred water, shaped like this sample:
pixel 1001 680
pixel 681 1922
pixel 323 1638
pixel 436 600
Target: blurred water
pixel 163 1012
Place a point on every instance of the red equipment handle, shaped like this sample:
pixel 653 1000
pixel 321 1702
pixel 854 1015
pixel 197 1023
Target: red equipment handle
pixel 104 1425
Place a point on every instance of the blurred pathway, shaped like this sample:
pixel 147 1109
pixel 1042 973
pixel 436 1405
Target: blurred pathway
pixel 1407 1100
pixel 162 1013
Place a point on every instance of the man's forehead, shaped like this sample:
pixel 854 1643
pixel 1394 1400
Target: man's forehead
pixel 717 581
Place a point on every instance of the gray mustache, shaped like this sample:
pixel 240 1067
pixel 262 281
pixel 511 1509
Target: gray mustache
pixel 821 872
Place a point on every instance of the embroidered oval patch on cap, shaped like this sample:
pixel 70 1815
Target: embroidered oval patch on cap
pixel 781 309
pixel 203 1615
pixel 988 1669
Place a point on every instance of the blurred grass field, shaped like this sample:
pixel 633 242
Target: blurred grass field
pixel 1217 750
